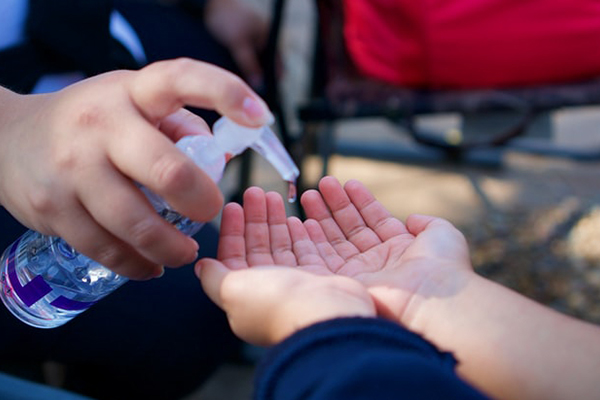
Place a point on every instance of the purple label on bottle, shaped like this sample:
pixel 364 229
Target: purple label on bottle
pixel 71 305
pixel 37 288
pixel 32 291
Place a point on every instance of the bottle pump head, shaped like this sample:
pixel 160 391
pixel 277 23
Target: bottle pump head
pixel 233 139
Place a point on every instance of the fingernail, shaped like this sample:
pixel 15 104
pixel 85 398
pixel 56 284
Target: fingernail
pixel 198 267
pixel 195 251
pixel 258 110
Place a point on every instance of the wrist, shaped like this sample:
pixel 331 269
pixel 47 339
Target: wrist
pixel 283 331
pixel 300 313
pixel 435 298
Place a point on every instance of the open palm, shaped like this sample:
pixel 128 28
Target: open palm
pixel 348 232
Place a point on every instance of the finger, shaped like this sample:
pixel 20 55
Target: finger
pixel 232 244
pixel 417 223
pixel 373 212
pixel 163 87
pixel 183 123
pixel 82 232
pixel 124 211
pixel 147 156
pixel 449 241
pixel 332 259
pixel 316 209
pixel 305 250
pixel 281 242
pixel 346 215
pixel 258 246
pixel 211 274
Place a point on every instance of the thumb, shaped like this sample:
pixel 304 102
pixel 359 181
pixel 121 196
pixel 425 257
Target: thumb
pixel 163 87
pixel 211 274
pixel 418 223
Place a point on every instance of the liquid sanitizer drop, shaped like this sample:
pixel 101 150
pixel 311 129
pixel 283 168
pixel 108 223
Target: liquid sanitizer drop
pixel 45 282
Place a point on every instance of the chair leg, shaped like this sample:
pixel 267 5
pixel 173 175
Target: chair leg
pixel 326 146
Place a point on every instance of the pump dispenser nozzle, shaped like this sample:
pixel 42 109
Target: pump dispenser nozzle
pixel 233 139
pixel 70 282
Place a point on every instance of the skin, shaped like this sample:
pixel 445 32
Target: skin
pixel 69 160
pixel 352 258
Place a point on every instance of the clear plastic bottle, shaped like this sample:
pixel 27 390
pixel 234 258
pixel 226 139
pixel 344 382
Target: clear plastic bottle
pixel 45 282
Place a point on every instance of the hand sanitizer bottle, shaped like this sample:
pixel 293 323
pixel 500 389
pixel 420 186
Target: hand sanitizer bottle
pixel 45 282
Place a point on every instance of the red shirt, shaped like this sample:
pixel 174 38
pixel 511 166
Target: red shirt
pixel 474 43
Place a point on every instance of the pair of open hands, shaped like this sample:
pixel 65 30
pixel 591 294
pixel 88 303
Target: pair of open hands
pixel 350 257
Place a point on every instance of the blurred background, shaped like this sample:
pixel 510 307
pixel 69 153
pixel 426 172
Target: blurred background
pixel 532 221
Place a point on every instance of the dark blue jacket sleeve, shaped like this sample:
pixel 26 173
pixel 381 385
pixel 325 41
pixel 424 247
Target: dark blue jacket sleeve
pixel 358 358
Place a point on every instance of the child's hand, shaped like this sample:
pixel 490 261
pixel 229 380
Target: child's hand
pixel 265 292
pixel 348 234
pixel 265 304
pixel 401 264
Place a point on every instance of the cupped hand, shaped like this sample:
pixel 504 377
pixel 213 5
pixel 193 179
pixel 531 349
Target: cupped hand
pixel 352 234
pixel 257 282
pixel 70 160
pixel 266 304
pixel 349 233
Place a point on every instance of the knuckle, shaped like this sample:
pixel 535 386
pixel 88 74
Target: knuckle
pixel 172 174
pixel 89 115
pixel 235 89
pixel 144 233
pixel 173 70
pixel 43 201
pixel 183 64
pixel 118 257
pixel 235 84
pixel 111 255
pixel 66 159
pixel 71 151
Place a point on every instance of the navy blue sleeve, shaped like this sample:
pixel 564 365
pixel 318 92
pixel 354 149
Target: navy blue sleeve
pixel 358 358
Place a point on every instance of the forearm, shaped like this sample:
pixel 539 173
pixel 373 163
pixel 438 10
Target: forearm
pixel 6 99
pixel 512 347
pixel 8 109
